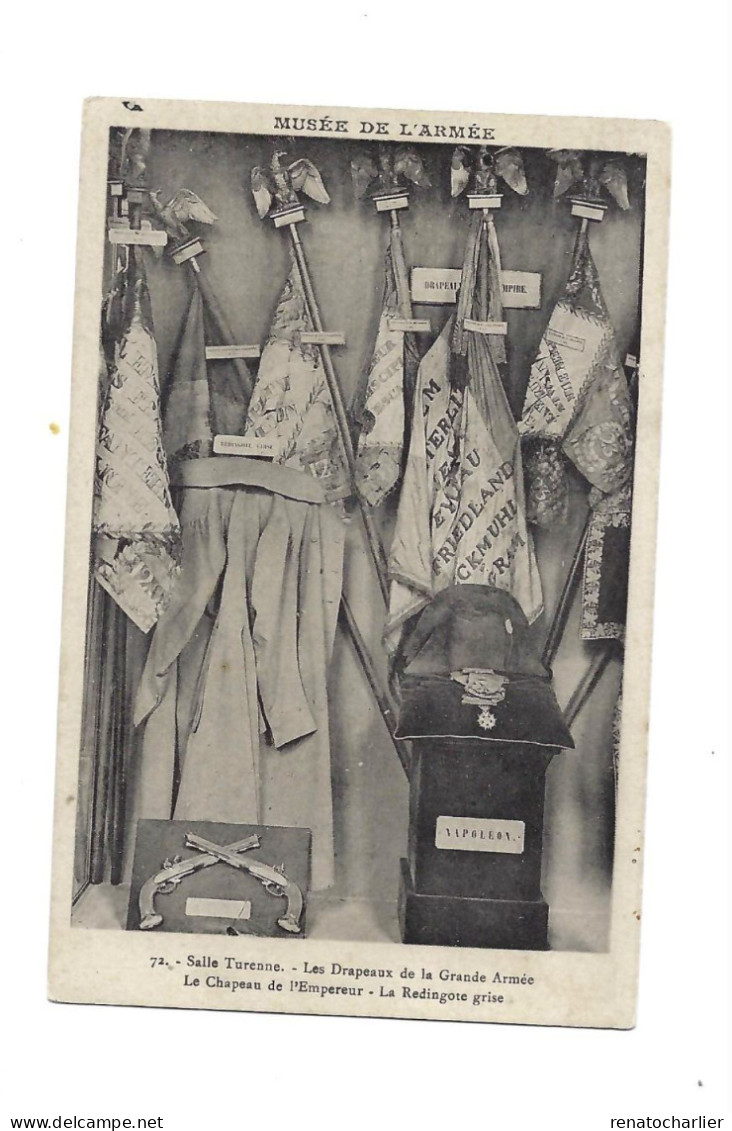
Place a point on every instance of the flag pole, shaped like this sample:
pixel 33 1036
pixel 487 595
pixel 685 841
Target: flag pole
pixel 587 684
pixel 188 253
pixel 384 699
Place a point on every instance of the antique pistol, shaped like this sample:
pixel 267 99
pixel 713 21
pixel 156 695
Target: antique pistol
pixel 171 874
pixel 272 879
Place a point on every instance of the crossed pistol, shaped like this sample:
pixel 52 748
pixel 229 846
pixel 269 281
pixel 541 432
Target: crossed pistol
pixel 272 879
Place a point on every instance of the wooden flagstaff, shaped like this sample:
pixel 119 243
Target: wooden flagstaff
pixel 588 682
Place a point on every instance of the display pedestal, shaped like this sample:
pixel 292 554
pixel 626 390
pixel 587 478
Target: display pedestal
pixel 473 873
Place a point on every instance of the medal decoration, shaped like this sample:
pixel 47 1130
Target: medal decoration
pixel 383 404
pixel 461 517
pixel 577 406
pixel 485 689
pixel 298 336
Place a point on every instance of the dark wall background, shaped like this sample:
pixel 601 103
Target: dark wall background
pixel 345 242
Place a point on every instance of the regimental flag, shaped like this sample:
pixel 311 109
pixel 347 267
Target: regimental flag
pixel 201 400
pixel 381 409
pixel 136 530
pixel 461 516
pixel 291 404
pixel 577 398
pixel 578 405
pixel 482 257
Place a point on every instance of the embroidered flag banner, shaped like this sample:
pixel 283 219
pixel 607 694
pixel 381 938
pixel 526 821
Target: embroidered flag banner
pixel 136 530
pixel 577 396
pixel 291 403
pixel 461 517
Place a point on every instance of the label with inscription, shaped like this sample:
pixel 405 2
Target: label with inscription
pixel 218 908
pixel 323 337
pixel 146 237
pixel 244 446
pixel 410 325
pixel 521 290
pixel 479 834
pixel 217 353
pixel 485 327
pixel 435 284
pixel 569 341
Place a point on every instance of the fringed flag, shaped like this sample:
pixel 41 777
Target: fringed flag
pixel 291 403
pixel 136 530
pixel 461 517
pixel 578 406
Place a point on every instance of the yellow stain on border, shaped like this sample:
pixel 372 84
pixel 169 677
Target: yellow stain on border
pixel 55 428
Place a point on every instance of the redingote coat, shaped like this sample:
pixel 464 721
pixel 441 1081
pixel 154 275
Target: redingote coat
pixel 234 691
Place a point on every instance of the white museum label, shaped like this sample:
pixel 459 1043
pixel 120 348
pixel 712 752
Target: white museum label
pixel 410 325
pixel 215 353
pixel 569 341
pixel 219 908
pixel 521 289
pixel 479 834
pixel 323 337
pixel 485 327
pixel 244 446
pixel 146 237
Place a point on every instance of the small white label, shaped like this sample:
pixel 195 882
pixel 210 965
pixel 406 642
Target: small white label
pixel 244 446
pixel 292 216
pixel 479 834
pixel 216 353
pixel 569 341
pixel 484 199
pixel 323 337
pixel 219 908
pixel 391 203
pixel 410 325
pixel 588 210
pixel 485 327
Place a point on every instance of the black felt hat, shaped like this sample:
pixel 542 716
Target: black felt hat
pixel 471 626
pixel 477 628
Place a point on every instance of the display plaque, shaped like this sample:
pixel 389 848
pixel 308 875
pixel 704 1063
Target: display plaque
pixel 476 834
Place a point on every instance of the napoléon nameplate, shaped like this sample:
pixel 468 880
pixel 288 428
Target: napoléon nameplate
pixel 479 834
